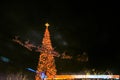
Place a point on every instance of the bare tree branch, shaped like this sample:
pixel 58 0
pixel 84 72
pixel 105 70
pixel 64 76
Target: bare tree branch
pixel 27 44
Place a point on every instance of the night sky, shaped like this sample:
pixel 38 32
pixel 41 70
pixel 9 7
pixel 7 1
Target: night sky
pixel 75 27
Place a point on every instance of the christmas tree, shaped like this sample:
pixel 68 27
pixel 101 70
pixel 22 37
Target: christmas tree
pixel 46 61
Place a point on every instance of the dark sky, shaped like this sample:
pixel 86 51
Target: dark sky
pixel 76 27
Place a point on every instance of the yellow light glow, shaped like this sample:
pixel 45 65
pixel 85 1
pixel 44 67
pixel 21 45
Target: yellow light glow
pixel 69 77
pixel 47 25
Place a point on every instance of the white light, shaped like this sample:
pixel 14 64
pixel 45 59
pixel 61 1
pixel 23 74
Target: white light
pixel 89 76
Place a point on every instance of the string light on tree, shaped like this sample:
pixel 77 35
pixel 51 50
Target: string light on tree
pixel 46 61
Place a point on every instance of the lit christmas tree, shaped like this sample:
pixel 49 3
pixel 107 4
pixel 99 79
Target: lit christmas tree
pixel 46 61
